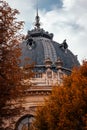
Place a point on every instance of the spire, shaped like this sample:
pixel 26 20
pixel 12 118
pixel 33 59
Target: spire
pixel 37 22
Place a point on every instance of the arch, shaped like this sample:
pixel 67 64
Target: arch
pixel 27 116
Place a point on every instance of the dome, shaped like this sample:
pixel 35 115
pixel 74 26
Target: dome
pixel 39 46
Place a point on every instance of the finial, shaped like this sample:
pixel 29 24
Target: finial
pixel 37 7
pixel 37 23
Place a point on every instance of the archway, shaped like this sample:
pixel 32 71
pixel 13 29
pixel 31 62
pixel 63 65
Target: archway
pixel 25 123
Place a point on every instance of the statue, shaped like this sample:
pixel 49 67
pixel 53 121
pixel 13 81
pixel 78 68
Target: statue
pixel 64 45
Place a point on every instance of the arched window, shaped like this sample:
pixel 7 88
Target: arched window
pixel 25 123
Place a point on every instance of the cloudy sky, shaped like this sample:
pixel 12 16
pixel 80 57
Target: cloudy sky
pixel 67 19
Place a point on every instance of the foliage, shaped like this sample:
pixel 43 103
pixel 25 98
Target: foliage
pixel 66 108
pixel 11 74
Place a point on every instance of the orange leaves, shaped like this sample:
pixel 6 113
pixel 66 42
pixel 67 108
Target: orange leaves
pixel 11 74
pixel 66 108
pixel 9 26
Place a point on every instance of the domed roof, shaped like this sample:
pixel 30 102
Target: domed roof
pixel 39 45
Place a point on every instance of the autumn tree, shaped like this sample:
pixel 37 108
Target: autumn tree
pixel 66 108
pixel 11 75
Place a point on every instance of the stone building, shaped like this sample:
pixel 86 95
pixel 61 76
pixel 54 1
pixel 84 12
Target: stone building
pixel 52 61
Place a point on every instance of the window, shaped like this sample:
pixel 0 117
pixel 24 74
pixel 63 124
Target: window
pixel 49 74
pixel 38 75
pixel 25 123
pixel 61 75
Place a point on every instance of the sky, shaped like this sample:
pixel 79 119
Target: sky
pixel 66 19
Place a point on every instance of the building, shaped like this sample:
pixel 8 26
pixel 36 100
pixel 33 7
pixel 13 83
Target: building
pixel 52 61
